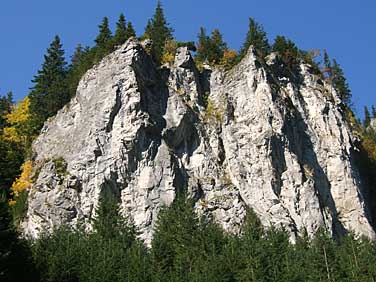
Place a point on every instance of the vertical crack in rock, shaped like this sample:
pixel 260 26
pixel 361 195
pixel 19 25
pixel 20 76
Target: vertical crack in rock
pixel 115 110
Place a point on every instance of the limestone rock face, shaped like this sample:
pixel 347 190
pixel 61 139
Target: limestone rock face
pixel 248 137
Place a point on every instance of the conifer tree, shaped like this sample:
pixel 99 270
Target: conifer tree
pixel 340 84
pixel 130 31
pixel 121 31
pixel 367 117
pixel 256 37
pixel 109 223
pixel 159 32
pixel 323 255
pixel 202 45
pixel 176 239
pixel 287 49
pixel 82 59
pixel 104 36
pixel 217 47
pixel 327 65
pixel 373 112
pixel 212 48
pixel 49 93
pixel 148 29
pixel 78 54
pixel 5 108
pixel 289 55
pixel 15 257
pixel 336 76
pixel 251 242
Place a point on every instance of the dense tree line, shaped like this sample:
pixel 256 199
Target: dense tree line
pixel 188 248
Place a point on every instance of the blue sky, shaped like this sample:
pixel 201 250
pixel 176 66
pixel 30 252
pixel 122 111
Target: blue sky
pixel 346 29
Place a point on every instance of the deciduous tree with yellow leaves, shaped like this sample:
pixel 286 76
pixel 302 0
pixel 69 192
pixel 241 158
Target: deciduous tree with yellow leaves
pixel 19 129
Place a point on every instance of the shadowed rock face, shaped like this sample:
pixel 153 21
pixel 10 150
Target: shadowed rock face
pixel 278 147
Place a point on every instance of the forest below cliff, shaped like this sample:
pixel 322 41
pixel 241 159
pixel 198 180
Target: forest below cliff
pixel 185 247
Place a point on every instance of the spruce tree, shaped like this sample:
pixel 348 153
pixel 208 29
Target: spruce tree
pixel 251 245
pixel 130 31
pixel 202 45
pixel 212 48
pixel 104 36
pixel 148 29
pixel 5 108
pixel 373 112
pixel 176 240
pixel 327 65
pixel 82 59
pixel 49 93
pixel 289 54
pixel 107 221
pixel 78 55
pixel 15 256
pixel 256 37
pixel 367 117
pixel 159 32
pixel 286 48
pixel 217 47
pixel 121 31
pixel 340 84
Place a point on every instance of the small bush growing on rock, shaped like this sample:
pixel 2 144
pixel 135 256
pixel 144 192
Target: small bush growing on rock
pixel 61 167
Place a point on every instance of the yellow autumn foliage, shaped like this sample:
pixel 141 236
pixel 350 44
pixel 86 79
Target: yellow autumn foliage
pixel 19 129
pixel 20 112
pixel 23 182
pixel 167 58
pixel 169 52
pixel 11 134
pixel 229 58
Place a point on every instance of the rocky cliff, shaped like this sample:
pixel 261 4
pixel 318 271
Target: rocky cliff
pixel 248 137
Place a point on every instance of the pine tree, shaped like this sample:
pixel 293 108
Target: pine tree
pixel 212 48
pixel 49 93
pixel 252 250
pixel 323 255
pixel 373 112
pixel 159 32
pixel 327 65
pixel 340 84
pixel 286 48
pixel 121 31
pixel 335 75
pixel 82 59
pixel 176 240
pixel 256 37
pixel 130 31
pixel 290 56
pixel 202 45
pixel 104 36
pixel 107 219
pixel 15 256
pixel 148 29
pixel 217 47
pixel 78 54
pixel 5 108
pixel 367 118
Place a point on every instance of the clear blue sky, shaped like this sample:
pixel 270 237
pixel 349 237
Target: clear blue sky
pixel 347 29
